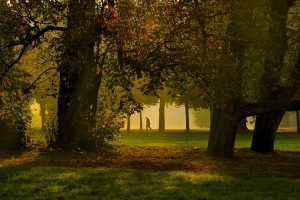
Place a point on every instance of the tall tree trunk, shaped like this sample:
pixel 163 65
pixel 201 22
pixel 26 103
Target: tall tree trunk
pixel 141 121
pixel 225 119
pixel 267 124
pixel 223 131
pixel 128 123
pixel 79 79
pixel 297 121
pixel 161 123
pixel 187 116
pixel 43 113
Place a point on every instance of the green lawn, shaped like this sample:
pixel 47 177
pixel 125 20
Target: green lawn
pixel 288 141
pixel 152 165
pixel 27 182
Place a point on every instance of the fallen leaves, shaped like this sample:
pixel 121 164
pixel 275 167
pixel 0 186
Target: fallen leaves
pixel 164 158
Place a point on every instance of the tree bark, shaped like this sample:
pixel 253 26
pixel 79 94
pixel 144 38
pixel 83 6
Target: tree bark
pixel 266 126
pixel 141 121
pixel 223 131
pixel 187 116
pixel 225 119
pixel 79 80
pixel 161 123
pixel 128 123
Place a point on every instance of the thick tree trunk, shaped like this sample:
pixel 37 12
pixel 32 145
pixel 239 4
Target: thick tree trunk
pixel 225 119
pixel 187 117
pixel 79 80
pixel 265 129
pixel 297 121
pixel 161 123
pixel 222 132
pixel 141 121
pixel 43 114
pixel 128 123
pixel 266 126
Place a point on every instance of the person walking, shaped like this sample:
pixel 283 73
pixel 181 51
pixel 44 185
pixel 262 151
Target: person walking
pixel 148 123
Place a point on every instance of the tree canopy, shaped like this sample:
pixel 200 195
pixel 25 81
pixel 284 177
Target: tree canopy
pixel 241 57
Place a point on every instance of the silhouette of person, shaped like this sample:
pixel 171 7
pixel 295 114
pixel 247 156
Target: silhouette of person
pixel 148 123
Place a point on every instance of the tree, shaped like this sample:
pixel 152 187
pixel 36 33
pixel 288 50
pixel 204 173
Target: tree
pixel 164 97
pixel 190 96
pixel 216 44
pixel 92 39
pixel 267 124
pixel 201 118
pixel 224 89
pixel 14 112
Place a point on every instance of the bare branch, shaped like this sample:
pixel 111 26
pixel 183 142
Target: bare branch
pixel 29 88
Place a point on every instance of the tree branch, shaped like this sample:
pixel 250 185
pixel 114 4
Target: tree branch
pixel 26 42
pixel 29 88
pixel 261 107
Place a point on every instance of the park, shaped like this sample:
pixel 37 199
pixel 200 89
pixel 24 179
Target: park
pixel 149 99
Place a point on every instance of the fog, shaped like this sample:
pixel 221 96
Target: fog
pixel 174 118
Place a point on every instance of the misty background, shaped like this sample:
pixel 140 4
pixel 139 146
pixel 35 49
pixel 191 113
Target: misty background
pixel 174 118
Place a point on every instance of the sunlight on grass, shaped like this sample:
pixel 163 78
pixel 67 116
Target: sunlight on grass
pixel 28 182
pixel 179 173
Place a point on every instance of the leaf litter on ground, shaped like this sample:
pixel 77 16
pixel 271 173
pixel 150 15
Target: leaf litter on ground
pixel 195 159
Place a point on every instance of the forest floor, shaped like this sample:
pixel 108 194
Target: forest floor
pixel 148 172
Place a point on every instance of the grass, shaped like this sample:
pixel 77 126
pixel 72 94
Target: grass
pixel 151 165
pixel 288 140
pixel 29 182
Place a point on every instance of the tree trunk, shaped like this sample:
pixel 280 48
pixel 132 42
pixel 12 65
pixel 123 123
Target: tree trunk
pixel 297 121
pixel 79 80
pixel 161 123
pixel 265 129
pixel 187 117
pixel 43 113
pixel 128 123
pixel 266 126
pixel 222 132
pixel 225 120
pixel 141 121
